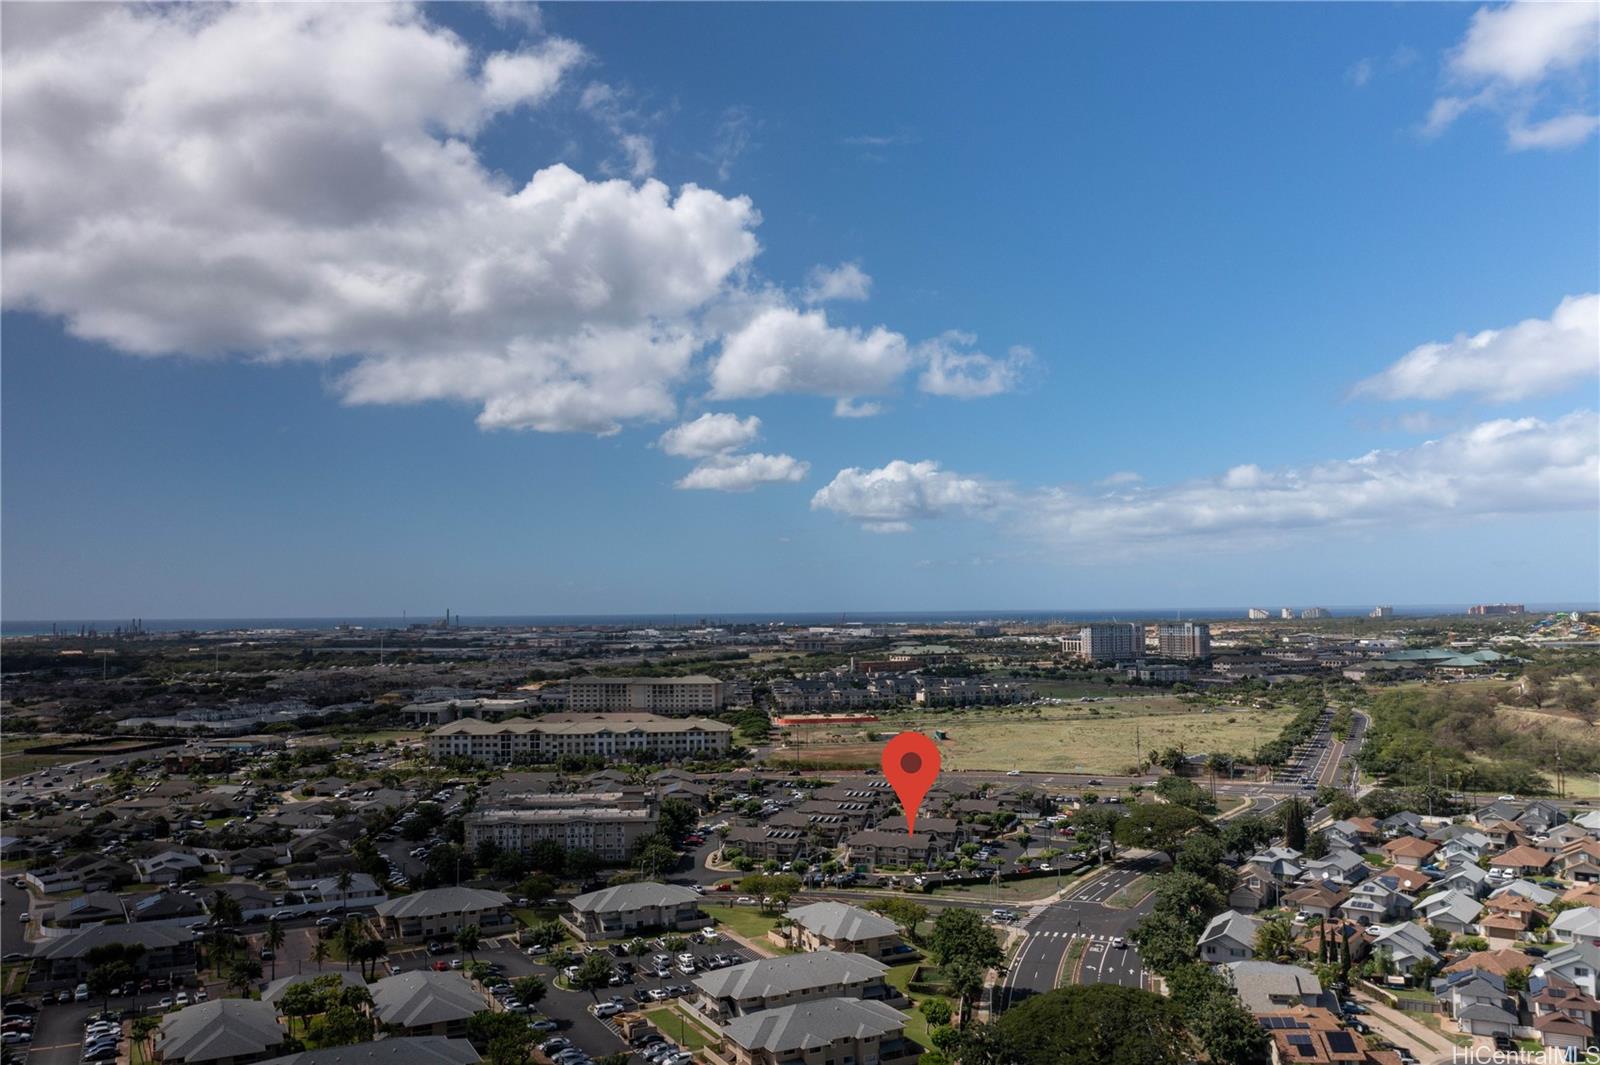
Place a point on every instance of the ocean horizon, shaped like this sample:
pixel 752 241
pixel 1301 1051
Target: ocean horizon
pixel 104 626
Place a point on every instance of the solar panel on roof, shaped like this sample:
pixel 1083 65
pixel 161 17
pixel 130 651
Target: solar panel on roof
pixel 1341 1042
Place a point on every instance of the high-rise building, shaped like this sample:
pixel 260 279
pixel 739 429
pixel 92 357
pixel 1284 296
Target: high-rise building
pixel 1258 614
pixel 1314 612
pixel 1286 614
pixel 1183 639
pixel 1111 641
pixel 1381 612
pixel 1495 610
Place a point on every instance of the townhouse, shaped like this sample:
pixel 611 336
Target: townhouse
pixel 228 1031
pixel 442 912
pixel 635 908
pixel 426 1003
pixel 768 983
pixel 826 1030
pixel 841 927
pixel 875 848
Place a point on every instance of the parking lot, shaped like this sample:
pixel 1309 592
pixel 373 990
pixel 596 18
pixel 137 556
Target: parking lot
pixel 572 1010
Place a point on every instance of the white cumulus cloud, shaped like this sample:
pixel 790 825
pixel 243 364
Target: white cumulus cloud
pixel 1505 466
pixel 1519 57
pixel 847 281
pixel 300 181
pixel 955 369
pixel 889 498
pixel 710 434
pixel 1533 357
pixel 741 473
pixel 782 349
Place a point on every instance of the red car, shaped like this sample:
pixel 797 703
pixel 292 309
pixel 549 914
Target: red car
pixel 441 966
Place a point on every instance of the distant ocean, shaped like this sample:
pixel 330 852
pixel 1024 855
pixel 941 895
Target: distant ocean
pixel 68 626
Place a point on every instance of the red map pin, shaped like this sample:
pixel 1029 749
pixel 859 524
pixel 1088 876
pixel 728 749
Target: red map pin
pixel 911 762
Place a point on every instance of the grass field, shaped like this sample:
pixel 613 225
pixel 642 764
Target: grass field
pixel 748 921
pixel 672 1023
pixel 899 976
pixel 1096 737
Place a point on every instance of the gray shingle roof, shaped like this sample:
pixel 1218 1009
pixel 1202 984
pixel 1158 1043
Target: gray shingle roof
pixel 76 945
pixel 633 897
pixel 813 1024
pixel 787 974
pixel 224 1028
pixel 403 1050
pixel 439 901
pixel 418 998
pixel 836 920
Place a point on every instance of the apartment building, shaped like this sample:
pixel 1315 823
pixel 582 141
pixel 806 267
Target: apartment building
pixel 768 983
pixel 825 1030
pixel 1106 641
pixel 1183 639
pixel 444 912
pixel 604 735
pixel 1258 614
pixel 1381 612
pixel 841 927
pixel 1495 610
pixel 1311 613
pixel 229 1031
pixel 633 908
pixel 606 822
pixel 674 696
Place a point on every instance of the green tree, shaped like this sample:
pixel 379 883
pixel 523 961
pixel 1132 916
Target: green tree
pixel 319 952
pixel 301 1002
pixel 1157 826
pixel 274 941
pixel 962 935
pixel 468 938
pixel 1213 1015
pixel 225 909
pixel 529 989
pixel 1275 940
pixel 935 1010
pixel 964 979
pixel 1101 1023
pixel 1294 825
pixel 1164 941
pixel 340 1025
pixel 242 973
pixel 593 974
pixel 1188 898
pixel 903 912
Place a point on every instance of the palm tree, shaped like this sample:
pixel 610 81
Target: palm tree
pixel 349 935
pixel 1275 940
pixel 344 883
pixel 319 952
pixel 274 940
pixel 468 939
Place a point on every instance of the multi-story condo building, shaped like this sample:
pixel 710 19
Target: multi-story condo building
pixel 1257 614
pixel 608 823
pixel 603 735
pixel 1381 612
pixel 1493 610
pixel 653 695
pixel 1314 612
pixel 1106 641
pixel 1183 639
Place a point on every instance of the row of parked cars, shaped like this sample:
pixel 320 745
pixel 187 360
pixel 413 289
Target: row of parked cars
pixel 102 1037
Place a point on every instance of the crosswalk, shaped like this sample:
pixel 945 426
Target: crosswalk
pixel 1101 937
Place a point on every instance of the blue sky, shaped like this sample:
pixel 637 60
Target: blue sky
pixel 1151 289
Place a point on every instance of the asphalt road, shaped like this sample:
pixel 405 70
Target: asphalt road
pixel 1081 917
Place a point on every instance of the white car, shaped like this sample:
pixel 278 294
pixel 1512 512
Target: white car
pixel 606 1009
